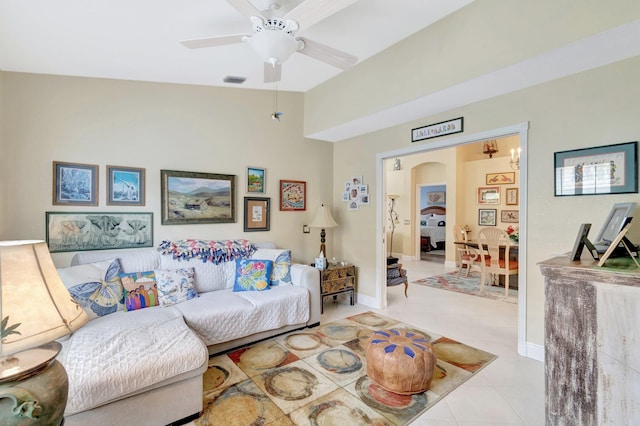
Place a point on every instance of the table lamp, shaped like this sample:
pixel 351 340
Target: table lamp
pixel 36 309
pixel 323 220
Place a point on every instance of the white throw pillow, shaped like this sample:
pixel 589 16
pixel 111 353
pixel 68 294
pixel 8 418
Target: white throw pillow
pixel 95 286
pixel 175 285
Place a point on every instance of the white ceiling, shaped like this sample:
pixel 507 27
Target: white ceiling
pixel 139 39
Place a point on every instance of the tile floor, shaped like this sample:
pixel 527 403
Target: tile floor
pixel 510 391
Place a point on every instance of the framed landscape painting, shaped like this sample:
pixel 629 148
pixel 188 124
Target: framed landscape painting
pixel 192 197
pixel 125 186
pixel 75 184
pixel 74 231
pixel 256 179
pixel 293 195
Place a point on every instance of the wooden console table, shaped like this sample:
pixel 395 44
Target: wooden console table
pixel 592 342
pixel 336 280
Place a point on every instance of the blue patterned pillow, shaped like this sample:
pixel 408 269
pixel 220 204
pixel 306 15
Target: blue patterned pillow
pixel 252 275
pixel 281 274
pixel 95 286
pixel 175 285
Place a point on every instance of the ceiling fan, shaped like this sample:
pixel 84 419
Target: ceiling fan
pixel 274 34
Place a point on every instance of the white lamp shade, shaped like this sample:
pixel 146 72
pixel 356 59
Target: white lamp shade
pixel 273 46
pixel 323 218
pixel 33 296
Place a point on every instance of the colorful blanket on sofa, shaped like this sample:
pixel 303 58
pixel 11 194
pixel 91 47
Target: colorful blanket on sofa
pixel 214 251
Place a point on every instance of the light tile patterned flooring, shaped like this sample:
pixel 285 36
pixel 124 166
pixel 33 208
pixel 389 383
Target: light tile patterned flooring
pixel 510 391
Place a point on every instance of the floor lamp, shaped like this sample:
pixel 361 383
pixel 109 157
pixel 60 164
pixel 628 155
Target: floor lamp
pixel 36 309
pixel 323 220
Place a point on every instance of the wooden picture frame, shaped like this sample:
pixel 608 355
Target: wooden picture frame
pixel 510 216
pixel 79 231
pixel 256 180
pixel 489 195
pixel 511 196
pixel 293 195
pixel 503 178
pixel 75 184
pixel 487 217
pixel 193 197
pixel 256 214
pixel 125 186
pixel 608 169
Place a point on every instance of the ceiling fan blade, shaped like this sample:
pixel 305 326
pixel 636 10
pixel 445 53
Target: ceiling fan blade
pixel 272 73
pixel 198 43
pixel 329 55
pixel 310 12
pixel 245 7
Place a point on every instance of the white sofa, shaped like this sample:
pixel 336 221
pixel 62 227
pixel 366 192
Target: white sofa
pixel 145 367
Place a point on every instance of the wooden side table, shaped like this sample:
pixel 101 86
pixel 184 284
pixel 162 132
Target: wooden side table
pixel 336 280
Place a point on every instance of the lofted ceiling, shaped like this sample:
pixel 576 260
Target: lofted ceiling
pixel 140 39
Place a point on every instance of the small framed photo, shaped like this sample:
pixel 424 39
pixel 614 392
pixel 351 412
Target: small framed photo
pixel 511 195
pixel 125 186
pixel 256 180
pixel 346 196
pixel 489 195
pixel 487 217
pixel 293 195
pixel 504 178
pixel 510 216
pixel 75 184
pixel 256 214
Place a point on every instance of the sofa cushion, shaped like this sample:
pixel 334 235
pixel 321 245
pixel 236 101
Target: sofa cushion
pixel 252 275
pixel 175 285
pixel 121 354
pixel 140 290
pixel 241 314
pixel 281 273
pixel 208 277
pixel 95 286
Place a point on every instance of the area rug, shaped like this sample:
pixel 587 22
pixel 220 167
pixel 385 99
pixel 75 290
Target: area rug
pixel 317 376
pixel 452 281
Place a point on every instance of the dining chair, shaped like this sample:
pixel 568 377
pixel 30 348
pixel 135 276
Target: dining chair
pixel 468 255
pixel 497 245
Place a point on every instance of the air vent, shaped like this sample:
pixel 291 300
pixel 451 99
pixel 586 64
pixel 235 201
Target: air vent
pixel 234 79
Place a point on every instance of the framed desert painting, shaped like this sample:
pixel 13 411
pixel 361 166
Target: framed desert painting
pixel 193 197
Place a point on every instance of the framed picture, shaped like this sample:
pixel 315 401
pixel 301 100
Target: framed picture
pixel 98 231
pixel 293 195
pixel 256 180
pixel 487 217
pixel 511 195
pixel 192 197
pixel 610 169
pixel 489 195
pixel 438 129
pixel 75 184
pixel 125 186
pixel 256 214
pixel 510 216
pixel 437 197
pixel 503 178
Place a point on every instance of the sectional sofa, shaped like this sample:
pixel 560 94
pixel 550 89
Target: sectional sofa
pixel 144 366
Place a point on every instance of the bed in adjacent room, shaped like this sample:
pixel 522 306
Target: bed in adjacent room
pixel 433 229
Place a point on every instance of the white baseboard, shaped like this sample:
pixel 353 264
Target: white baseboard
pixel 367 301
pixel 534 351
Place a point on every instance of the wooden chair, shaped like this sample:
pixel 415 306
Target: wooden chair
pixel 468 256
pixel 396 276
pixel 497 245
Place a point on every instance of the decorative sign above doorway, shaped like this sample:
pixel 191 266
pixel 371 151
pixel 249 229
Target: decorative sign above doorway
pixel 438 129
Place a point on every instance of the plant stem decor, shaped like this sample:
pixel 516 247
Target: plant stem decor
pixel 393 218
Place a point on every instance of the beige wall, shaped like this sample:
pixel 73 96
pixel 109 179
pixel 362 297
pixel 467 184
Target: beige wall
pixel 4 158
pixel 592 108
pixel 156 126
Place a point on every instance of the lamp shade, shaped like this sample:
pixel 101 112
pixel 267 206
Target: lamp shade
pixel 323 218
pixel 35 306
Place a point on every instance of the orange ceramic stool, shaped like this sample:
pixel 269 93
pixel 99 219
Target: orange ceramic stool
pixel 401 361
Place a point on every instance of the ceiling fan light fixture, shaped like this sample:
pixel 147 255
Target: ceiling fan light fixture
pixel 273 46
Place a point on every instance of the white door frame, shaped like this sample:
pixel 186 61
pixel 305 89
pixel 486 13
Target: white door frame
pixel 517 129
